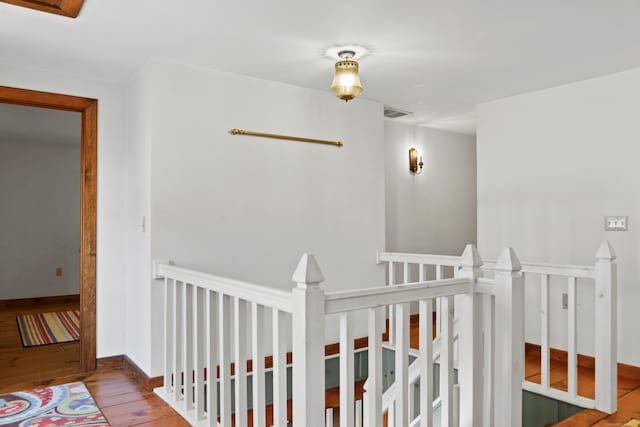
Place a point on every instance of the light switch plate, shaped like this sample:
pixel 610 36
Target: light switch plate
pixel 616 223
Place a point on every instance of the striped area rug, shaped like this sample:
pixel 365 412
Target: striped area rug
pixel 49 328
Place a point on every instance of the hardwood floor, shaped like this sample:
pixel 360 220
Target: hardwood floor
pixel 126 401
pixel 20 365
pixel 123 399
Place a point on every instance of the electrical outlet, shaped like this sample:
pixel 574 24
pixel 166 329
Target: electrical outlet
pixel 59 272
pixel 565 301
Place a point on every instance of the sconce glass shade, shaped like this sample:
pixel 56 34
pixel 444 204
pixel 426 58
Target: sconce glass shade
pixel 346 82
pixel 415 161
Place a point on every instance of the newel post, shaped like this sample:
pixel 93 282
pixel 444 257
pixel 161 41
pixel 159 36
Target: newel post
pixel 509 340
pixel 470 363
pixel 308 345
pixel 606 330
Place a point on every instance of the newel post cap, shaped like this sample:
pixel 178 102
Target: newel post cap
pixel 308 271
pixel 605 252
pixel 471 257
pixel 508 261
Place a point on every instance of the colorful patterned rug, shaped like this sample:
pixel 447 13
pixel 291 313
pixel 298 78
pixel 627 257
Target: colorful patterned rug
pixel 63 405
pixel 49 328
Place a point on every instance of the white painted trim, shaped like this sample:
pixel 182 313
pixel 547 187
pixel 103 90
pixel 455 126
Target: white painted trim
pixel 337 302
pixel 563 396
pixel 264 295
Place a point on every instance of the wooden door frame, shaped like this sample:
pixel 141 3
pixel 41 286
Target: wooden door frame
pixel 88 202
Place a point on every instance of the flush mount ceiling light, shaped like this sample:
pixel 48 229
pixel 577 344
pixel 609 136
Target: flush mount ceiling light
pixel 346 82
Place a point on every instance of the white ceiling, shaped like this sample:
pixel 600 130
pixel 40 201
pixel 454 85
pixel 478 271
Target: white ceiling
pixel 39 125
pixel 435 58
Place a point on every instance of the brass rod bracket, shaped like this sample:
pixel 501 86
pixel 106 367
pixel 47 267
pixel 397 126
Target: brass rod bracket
pixel 236 131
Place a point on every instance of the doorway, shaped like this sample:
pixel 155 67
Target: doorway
pixel 88 202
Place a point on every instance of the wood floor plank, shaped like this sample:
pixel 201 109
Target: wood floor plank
pixel 152 408
pixel 170 421
pixel 119 399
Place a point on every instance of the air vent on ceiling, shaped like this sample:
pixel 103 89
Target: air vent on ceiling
pixel 394 113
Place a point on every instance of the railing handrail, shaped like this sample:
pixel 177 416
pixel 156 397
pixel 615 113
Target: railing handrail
pixel 342 301
pixel 446 260
pixel 561 270
pixel 264 295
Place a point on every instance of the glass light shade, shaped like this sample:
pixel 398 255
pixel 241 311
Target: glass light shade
pixel 413 160
pixel 346 82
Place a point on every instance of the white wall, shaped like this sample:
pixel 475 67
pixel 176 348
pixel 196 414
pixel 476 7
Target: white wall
pixel 551 165
pixel 39 219
pixel 248 207
pixel 111 188
pixel 137 299
pixel 434 212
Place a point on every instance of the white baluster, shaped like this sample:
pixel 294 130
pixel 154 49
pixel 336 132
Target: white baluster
pixel 177 344
pixel 257 332
pixel 374 382
pixel 391 317
pixel 329 417
pixel 401 364
pixel 308 344
pixel 365 406
pixel 606 313
pixel 439 319
pixel 279 369
pixel 488 323
pixel 572 356
pixel 358 413
pixel 346 372
pixel 225 325
pixel 199 360
pixel 456 405
pixel 240 351
pixel 168 335
pixel 212 355
pixel 405 273
pixel 470 359
pixel 446 362
pixel 187 343
pixel 544 331
pixel 509 341
pixel 426 362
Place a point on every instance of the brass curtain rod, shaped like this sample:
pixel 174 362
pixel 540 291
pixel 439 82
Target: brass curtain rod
pixel 291 138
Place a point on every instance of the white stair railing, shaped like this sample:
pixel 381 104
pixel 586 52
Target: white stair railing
pixel 425 264
pixel 604 275
pixel 470 369
pixel 206 326
pixel 213 322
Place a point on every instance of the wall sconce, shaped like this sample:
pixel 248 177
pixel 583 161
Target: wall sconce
pixel 415 162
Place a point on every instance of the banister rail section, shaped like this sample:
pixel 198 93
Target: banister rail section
pixel 216 332
pixel 603 273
